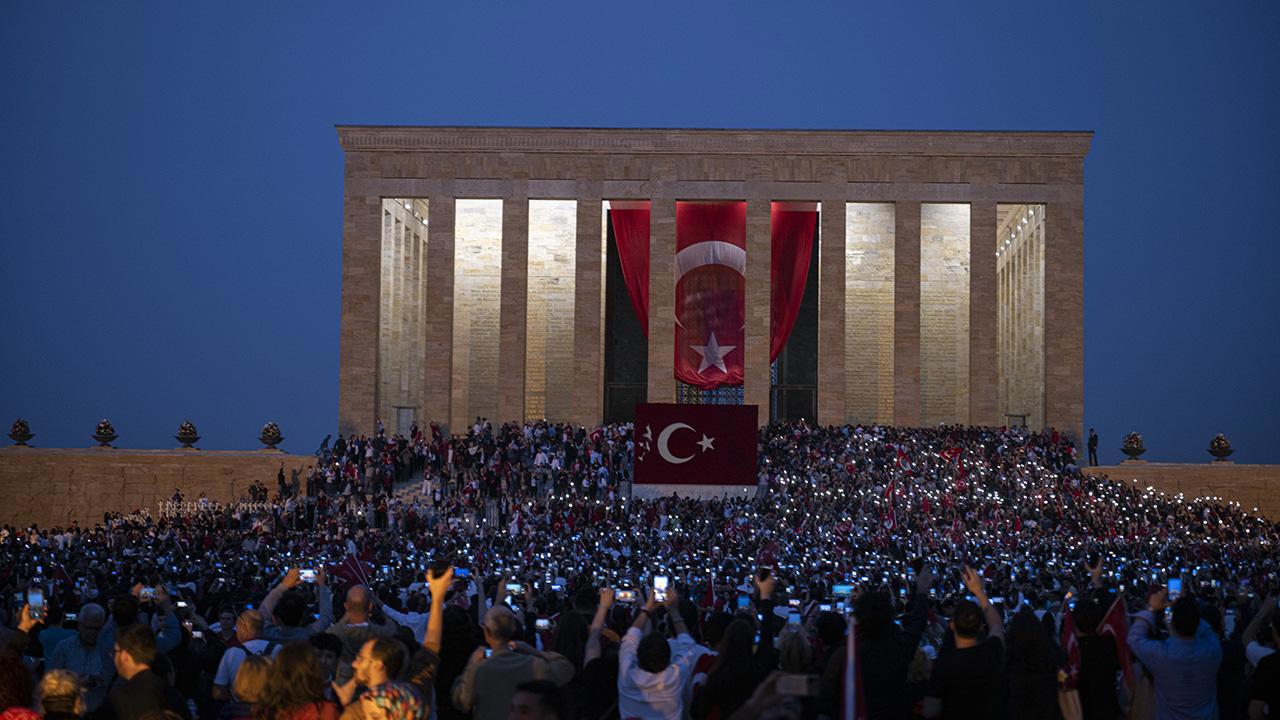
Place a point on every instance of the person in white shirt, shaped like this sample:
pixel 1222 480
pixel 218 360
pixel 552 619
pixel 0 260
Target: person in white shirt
pixel 416 617
pixel 651 671
pixel 248 631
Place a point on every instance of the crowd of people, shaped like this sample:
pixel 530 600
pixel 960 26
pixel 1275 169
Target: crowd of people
pixel 878 572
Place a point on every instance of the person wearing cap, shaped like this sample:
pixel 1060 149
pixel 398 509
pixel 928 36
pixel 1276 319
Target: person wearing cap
pixel 488 684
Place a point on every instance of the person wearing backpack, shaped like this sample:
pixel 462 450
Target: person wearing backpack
pixel 249 633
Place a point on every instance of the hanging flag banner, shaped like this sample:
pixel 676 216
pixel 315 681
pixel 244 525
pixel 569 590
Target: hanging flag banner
pixel 695 444
pixel 711 266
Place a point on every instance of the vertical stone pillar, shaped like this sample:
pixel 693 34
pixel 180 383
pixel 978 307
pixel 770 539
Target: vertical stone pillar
pixel 756 384
pixel 1064 318
pixel 514 302
pixel 588 362
pixel 437 366
pixel 906 313
pixel 983 314
pixel 831 310
pixel 662 300
pixel 361 301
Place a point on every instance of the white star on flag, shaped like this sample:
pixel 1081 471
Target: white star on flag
pixel 705 443
pixel 713 354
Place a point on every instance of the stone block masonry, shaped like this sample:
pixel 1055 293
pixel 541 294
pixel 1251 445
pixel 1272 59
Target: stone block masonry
pixel 51 487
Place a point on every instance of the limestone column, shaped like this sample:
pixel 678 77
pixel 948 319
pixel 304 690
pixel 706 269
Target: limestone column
pixel 1064 318
pixel 588 362
pixel 662 300
pixel 983 315
pixel 831 311
pixel 756 376
pixel 906 313
pixel 361 289
pixel 513 309
pixel 437 366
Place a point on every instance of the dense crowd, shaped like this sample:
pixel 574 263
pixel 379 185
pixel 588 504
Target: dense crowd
pixel 874 571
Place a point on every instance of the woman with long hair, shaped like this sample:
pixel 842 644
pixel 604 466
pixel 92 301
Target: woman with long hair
pixel 1034 660
pixel 733 676
pixel 295 687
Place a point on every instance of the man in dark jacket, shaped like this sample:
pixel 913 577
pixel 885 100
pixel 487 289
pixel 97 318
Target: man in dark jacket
pixel 143 690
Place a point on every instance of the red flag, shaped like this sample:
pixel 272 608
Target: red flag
pixel 904 462
pixel 952 454
pixel 695 444
pixel 1071 645
pixel 710 307
pixel 1116 624
pixel 352 571
pixel 853 707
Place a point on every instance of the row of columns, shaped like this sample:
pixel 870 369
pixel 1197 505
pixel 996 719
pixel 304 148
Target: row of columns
pixel 1063 338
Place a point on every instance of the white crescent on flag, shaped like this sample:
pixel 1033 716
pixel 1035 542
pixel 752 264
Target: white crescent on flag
pixel 711 252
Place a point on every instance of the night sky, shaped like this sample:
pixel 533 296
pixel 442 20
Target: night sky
pixel 170 222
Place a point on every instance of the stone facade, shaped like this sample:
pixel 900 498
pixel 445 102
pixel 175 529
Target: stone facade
pixel 466 353
pixel 1253 486
pixel 50 487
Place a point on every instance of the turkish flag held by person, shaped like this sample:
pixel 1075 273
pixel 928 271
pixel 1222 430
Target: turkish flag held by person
pixel 1071 644
pixel 695 444
pixel 1116 624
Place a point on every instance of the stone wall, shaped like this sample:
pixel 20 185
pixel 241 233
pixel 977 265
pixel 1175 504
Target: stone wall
pixel 1253 486
pixel 868 307
pixel 550 312
pixel 477 285
pixel 51 487
pixel 401 342
pixel 1020 283
pixel 944 313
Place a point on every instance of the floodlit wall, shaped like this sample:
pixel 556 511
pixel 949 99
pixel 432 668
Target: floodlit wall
pixel 944 313
pixel 477 285
pixel 868 256
pixel 550 309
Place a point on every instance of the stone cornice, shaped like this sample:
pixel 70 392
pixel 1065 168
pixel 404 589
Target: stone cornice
pixel 604 141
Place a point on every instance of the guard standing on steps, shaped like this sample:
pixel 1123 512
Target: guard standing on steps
pixel 1093 447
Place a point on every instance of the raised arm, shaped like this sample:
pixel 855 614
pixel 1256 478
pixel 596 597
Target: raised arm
pixel 1143 647
pixel 1255 624
pixel 592 650
pixel 977 587
pixel 439 587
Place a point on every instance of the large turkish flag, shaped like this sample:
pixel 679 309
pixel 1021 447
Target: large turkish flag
pixel 695 444
pixel 711 262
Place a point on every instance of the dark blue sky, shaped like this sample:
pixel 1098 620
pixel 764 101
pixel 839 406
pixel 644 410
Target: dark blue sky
pixel 170 215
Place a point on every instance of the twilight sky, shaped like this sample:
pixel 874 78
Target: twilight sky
pixel 170 215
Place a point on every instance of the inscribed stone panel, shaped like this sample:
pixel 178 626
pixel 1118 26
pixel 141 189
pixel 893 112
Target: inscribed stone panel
pixel 944 313
pixel 550 309
pixel 869 239
pixel 476 289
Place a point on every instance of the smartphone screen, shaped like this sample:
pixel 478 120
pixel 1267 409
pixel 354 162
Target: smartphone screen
pixel 461 573
pixel 307 575
pixel 35 602
pixel 744 602
pixel 660 588
pixel 793 618
pixel 625 596
pixel 1174 588
pixel 542 624
pixel 515 588
pixel 841 590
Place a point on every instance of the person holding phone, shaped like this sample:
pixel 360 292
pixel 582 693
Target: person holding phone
pixel 652 673
pixel 1185 665
pixel 487 685
pixel 87 655
pixel 966 678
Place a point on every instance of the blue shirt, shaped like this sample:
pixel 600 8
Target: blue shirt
pixel 1185 669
